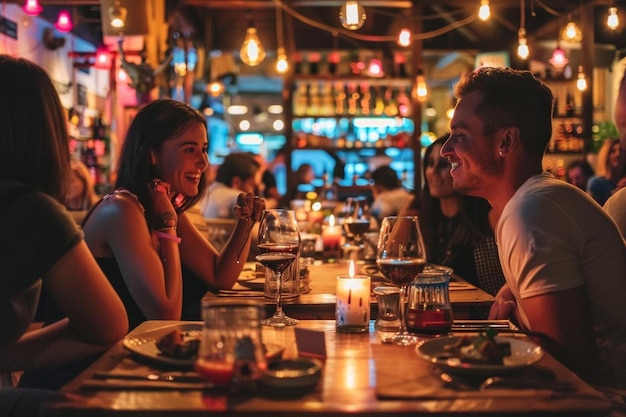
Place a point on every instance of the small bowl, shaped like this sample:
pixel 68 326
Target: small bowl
pixel 292 373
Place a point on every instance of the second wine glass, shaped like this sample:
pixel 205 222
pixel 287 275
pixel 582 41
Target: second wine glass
pixel 401 257
pixel 279 245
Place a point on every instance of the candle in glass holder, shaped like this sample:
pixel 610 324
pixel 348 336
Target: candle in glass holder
pixel 353 302
pixel 331 239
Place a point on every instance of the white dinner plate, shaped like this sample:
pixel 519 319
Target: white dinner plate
pixel 253 283
pixel 522 354
pixel 144 344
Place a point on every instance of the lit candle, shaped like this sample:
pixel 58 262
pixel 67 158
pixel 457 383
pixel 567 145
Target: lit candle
pixel 331 239
pixel 353 302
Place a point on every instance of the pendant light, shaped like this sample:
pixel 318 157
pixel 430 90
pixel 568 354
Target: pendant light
pixel 484 12
pixel 282 65
pixel 558 59
pixel 117 13
pixel 404 37
pixel 572 32
pixel 32 7
pixel 522 42
pixel 64 21
pixel 612 21
pixel 352 15
pixel 581 82
pixel 252 52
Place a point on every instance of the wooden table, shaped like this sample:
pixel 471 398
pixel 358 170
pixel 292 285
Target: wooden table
pixel 468 301
pixel 348 386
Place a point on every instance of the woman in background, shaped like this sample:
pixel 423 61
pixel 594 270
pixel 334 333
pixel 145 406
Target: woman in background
pixel 609 171
pixel 81 194
pixel 41 246
pixel 458 230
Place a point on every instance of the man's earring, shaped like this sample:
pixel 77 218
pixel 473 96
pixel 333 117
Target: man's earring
pixel 501 153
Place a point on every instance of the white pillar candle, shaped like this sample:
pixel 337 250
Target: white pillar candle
pixel 353 302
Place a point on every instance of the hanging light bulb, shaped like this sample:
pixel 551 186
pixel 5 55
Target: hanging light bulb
pixel 571 33
pixel 484 12
pixel 558 60
pixel 404 37
pixel 117 13
pixel 612 21
pixel 522 47
pixel 32 7
pixel 421 90
pixel 581 82
pixel 282 66
pixel 215 88
pixel 252 52
pixel 64 21
pixel 352 15
pixel 103 58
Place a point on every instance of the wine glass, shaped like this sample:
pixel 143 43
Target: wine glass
pixel 356 222
pixel 401 257
pixel 279 245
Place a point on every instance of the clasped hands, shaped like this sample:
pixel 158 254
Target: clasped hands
pixel 249 207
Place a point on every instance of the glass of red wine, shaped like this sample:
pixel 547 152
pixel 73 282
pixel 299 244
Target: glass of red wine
pixel 356 223
pixel 279 245
pixel 401 257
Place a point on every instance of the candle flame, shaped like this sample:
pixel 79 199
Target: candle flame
pixel 351 268
pixel 331 220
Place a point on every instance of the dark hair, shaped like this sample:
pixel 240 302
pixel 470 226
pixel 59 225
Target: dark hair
pixel 34 146
pixel 238 164
pixel 584 166
pixel 473 211
pixel 512 98
pixel 154 124
pixel 386 177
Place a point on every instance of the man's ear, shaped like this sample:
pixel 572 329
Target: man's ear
pixel 236 183
pixel 509 140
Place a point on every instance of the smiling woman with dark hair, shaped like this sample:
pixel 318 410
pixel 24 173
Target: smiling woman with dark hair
pixel 141 235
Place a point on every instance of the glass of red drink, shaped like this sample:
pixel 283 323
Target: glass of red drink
pixel 231 352
pixel 429 309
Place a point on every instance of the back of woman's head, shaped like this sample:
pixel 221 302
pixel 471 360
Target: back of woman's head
pixel 154 124
pixel 33 133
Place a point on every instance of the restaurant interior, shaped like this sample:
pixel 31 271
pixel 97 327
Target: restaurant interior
pixel 346 86
pixel 351 98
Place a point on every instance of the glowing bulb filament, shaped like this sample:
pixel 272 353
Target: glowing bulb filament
pixel 484 12
pixel 612 21
pixel 522 48
pixel 404 38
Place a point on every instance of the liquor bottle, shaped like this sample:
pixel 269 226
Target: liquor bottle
pixel 379 107
pixel 570 104
pixel 366 98
pixel 340 97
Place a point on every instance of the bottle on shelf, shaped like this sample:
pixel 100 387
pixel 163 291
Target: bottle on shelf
pixel 570 104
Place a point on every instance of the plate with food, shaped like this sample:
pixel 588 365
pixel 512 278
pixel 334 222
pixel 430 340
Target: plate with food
pixel 175 344
pixel 484 354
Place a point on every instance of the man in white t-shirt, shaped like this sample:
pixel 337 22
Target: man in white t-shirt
pixel 389 196
pixel 563 257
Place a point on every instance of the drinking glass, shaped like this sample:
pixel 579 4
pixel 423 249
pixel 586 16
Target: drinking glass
pixel 356 223
pixel 401 257
pixel 279 245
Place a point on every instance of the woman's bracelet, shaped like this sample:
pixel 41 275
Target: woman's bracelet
pixel 163 235
pixel 164 221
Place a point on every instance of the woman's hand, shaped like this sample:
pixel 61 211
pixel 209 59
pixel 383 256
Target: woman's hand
pixel 164 211
pixel 249 207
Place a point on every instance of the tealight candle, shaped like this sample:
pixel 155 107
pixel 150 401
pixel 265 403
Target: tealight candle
pixel 331 239
pixel 353 302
